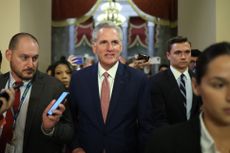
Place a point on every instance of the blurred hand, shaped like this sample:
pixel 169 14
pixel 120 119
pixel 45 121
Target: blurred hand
pixel 139 64
pixel 49 121
pixel 7 104
pixel 72 60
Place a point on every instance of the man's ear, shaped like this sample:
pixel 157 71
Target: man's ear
pixel 93 47
pixel 195 87
pixel 167 54
pixel 8 54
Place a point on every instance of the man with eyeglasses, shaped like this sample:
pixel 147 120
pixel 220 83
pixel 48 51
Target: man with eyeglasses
pixel 171 90
pixel 110 101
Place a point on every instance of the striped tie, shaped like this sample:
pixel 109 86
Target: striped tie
pixel 182 87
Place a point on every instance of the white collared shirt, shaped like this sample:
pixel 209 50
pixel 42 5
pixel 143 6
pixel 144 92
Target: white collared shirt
pixel 112 73
pixel 206 141
pixel 18 135
pixel 188 86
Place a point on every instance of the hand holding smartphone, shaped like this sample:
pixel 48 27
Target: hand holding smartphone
pixel 60 100
pixel 79 60
pixel 143 57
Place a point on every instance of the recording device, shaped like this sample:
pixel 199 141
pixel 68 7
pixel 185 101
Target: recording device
pixel 79 60
pixel 5 94
pixel 143 57
pixel 155 60
pixel 60 100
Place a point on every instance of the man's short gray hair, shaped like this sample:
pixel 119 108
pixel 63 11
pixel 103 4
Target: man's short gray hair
pixel 106 24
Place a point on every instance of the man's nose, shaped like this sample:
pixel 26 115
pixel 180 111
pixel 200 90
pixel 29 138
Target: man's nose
pixel 110 46
pixel 30 62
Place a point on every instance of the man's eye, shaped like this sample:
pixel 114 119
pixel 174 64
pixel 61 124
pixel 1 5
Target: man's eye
pixel 35 58
pixel 115 42
pixel 24 58
pixel 103 42
pixel 177 53
pixel 218 85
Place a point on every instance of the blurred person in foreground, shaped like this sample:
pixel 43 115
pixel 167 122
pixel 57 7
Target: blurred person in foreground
pixel 118 121
pixel 210 131
pixel 32 130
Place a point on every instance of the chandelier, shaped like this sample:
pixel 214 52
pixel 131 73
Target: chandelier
pixel 111 12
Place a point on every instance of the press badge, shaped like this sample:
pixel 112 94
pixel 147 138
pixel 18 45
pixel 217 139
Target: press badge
pixel 9 148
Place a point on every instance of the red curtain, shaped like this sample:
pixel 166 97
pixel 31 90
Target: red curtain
pixel 165 9
pixel 84 31
pixel 63 9
pixel 137 28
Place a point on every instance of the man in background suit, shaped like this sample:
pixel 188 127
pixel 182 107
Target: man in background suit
pixel 169 104
pixel 34 131
pixel 208 132
pixel 128 121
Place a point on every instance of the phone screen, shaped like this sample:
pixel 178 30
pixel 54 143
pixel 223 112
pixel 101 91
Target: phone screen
pixel 79 60
pixel 57 102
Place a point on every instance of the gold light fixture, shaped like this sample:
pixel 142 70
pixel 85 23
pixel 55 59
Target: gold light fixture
pixel 111 12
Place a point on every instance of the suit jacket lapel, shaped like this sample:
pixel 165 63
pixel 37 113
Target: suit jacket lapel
pixel 177 94
pixel 33 106
pixel 4 78
pixel 94 91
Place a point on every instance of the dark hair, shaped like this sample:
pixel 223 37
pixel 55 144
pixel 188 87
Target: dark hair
pixel 163 65
pixel 14 40
pixel 61 61
pixel 49 68
pixel 195 52
pixel 210 53
pixel 177 39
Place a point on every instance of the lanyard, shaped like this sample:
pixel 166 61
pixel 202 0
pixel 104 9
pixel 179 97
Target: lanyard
pixel 16 113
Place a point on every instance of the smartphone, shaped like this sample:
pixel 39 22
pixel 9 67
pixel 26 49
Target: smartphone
pixel 79 60
pixel 143 57
pixel 60 100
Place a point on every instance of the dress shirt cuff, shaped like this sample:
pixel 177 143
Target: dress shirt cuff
pixel 48 132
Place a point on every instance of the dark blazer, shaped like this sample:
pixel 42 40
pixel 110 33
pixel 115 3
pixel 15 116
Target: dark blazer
pixel 167 100
pixel 44 89
pixel 129 117
pixel 178 138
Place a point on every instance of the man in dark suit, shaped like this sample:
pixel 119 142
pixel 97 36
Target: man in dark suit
pixel 170 104
pixel 208 133
pixel 34 131
pixel 124 124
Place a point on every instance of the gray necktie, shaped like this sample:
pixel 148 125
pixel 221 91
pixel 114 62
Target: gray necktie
pixel 182 87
